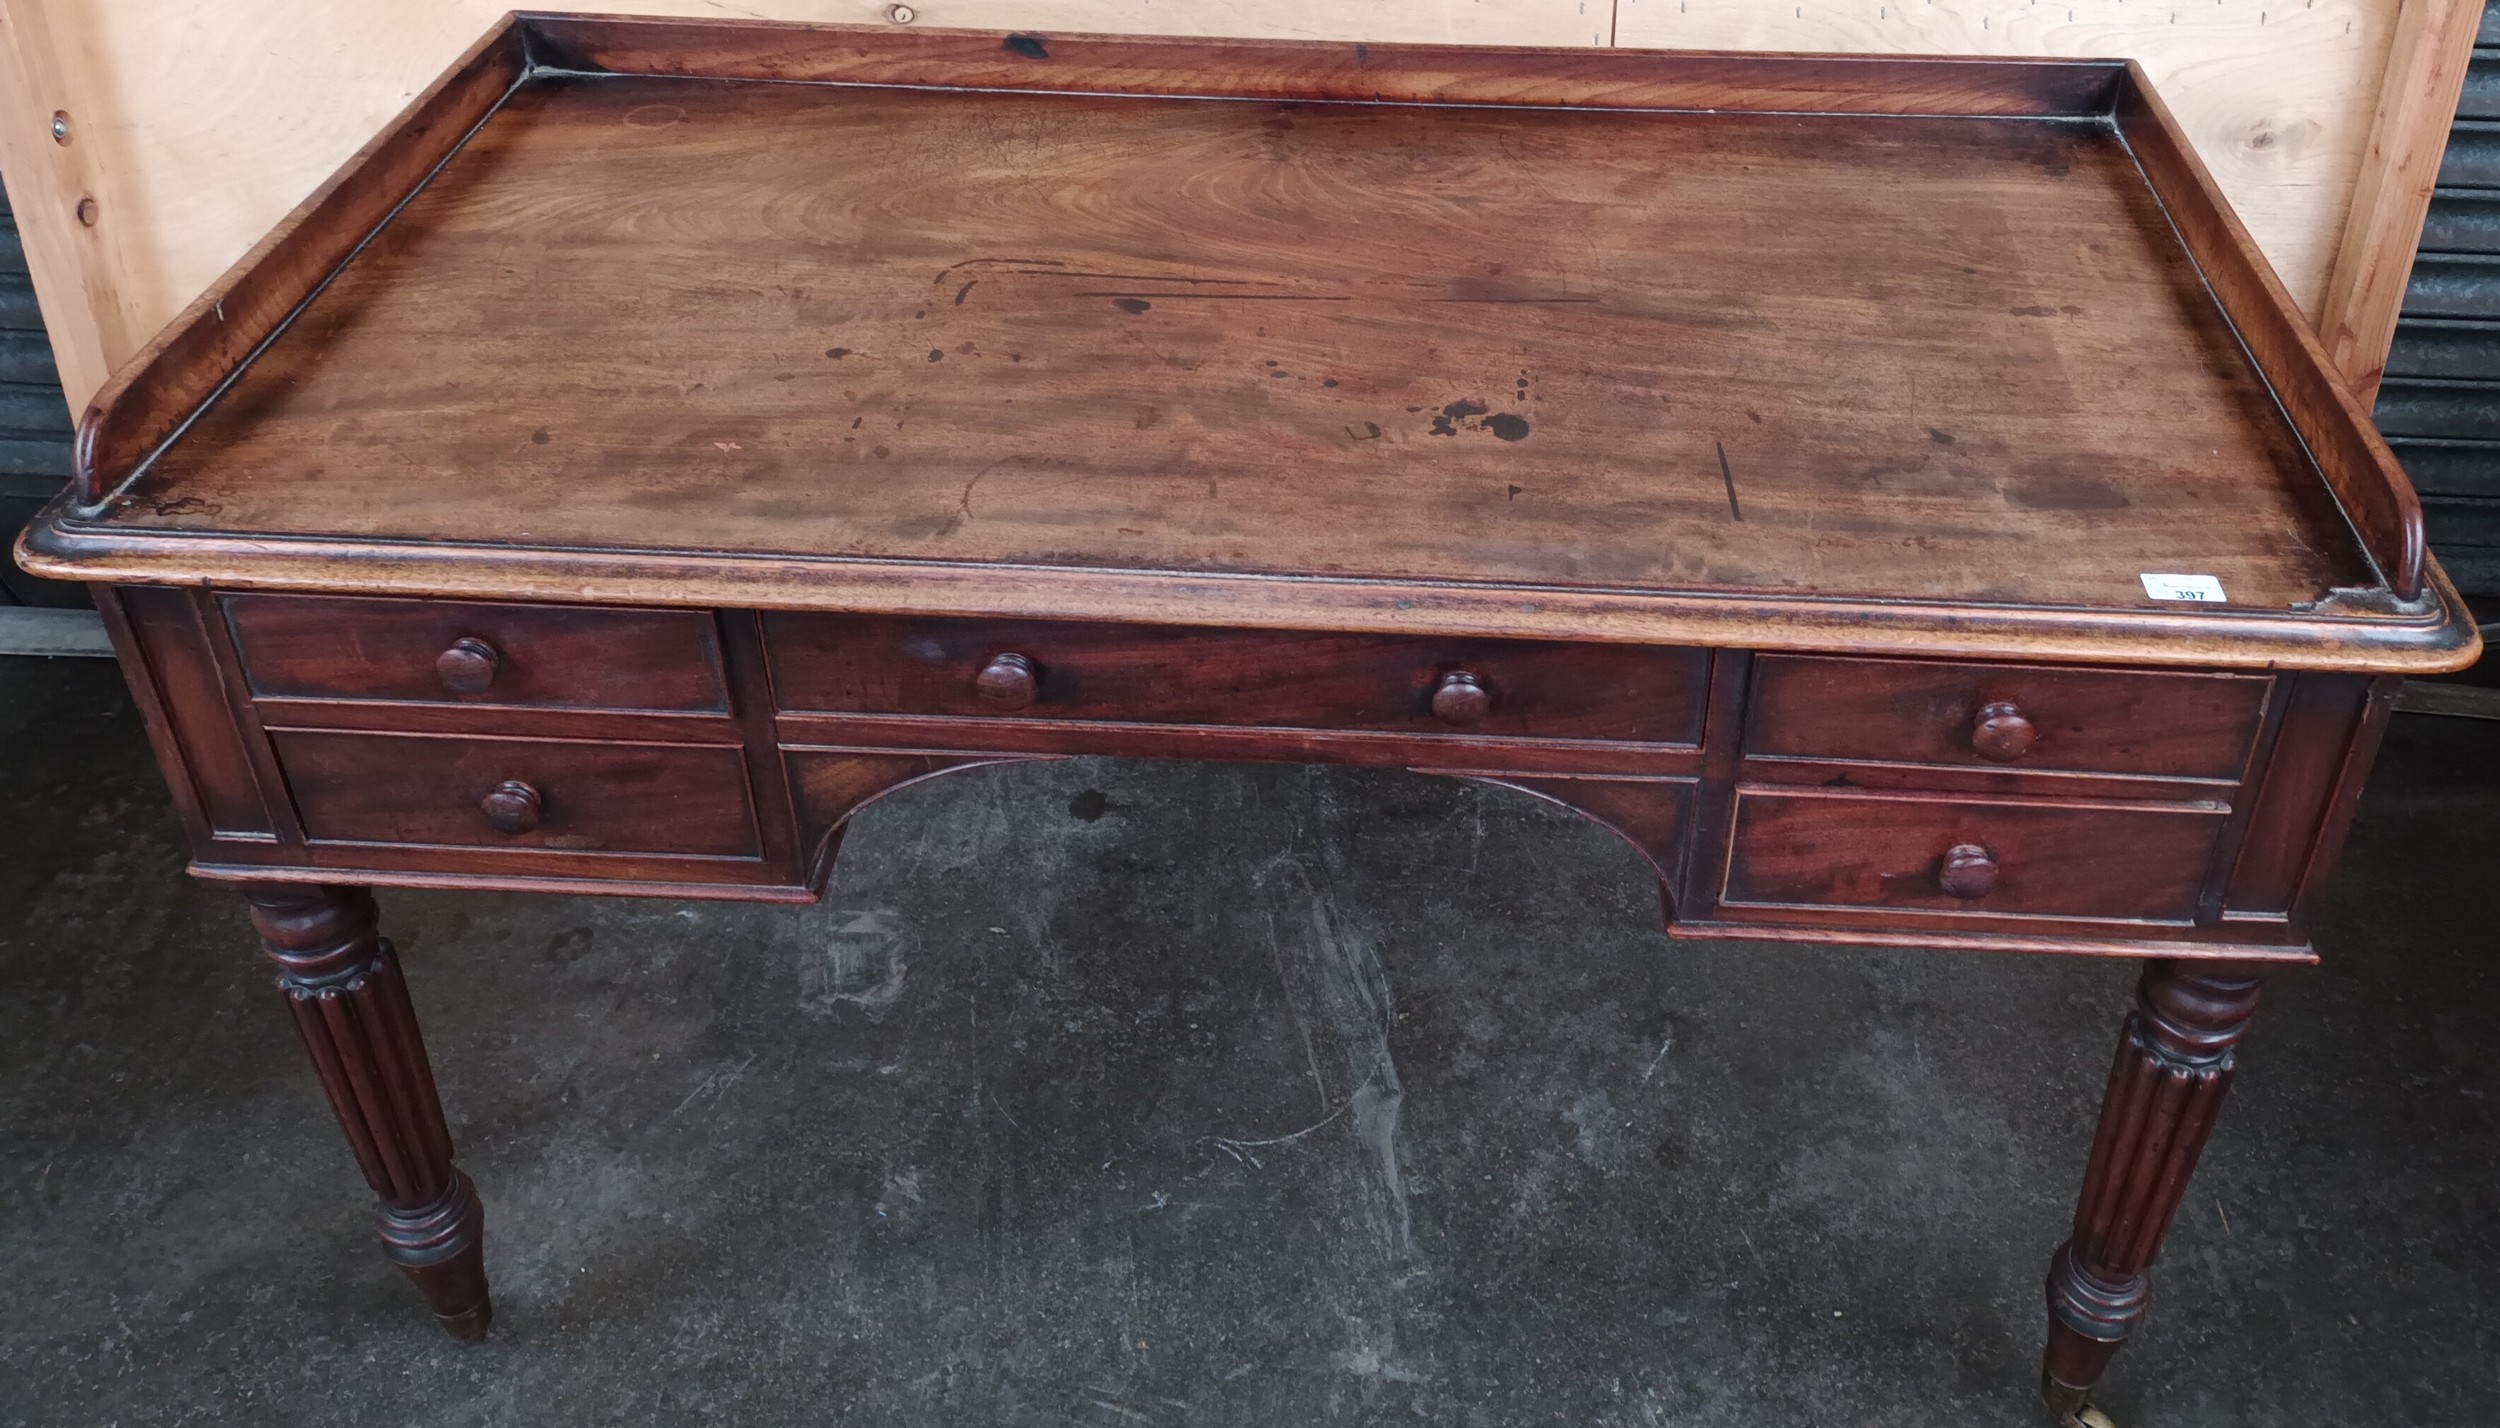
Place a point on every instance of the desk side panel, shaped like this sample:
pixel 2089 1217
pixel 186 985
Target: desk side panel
pixel 2322 756
pixel 169 657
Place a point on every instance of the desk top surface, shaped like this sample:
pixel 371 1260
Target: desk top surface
pixel 1940 360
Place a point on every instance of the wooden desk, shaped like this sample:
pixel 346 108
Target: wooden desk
pixel 626 469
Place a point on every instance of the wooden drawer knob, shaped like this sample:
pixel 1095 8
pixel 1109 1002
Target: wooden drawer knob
pixel 1007 682
pixel 1461 698
pixel 2000 732
pixel 511 808
pixel 1969 870
pixel 468 667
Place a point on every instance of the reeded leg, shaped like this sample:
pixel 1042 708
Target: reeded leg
pixel 2174 1064
pixel 350 1005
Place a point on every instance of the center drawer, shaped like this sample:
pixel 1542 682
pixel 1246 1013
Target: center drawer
pixel 1065 670
pixel 519 793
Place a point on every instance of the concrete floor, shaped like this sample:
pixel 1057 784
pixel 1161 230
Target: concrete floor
pixel 1136 1094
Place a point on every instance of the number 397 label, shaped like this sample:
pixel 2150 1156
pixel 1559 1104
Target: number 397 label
pixel 2203 589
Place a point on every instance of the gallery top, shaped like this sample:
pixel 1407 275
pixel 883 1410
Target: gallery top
pixel 1782 351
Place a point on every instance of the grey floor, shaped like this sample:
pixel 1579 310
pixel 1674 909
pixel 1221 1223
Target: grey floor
pixel 1139 1094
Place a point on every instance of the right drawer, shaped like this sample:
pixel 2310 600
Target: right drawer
pixel 2198 726
pixel 1806 848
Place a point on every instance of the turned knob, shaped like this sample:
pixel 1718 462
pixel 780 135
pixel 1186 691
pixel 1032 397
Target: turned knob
pixel 1461 698
pixel 1969 870
pixel 511 808
pixel 1007 682
pixel 2000 732
pixel 468 667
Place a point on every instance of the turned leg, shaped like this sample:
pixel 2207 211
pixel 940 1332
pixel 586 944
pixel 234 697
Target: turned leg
pixel 2174 1064
pixel 351 1007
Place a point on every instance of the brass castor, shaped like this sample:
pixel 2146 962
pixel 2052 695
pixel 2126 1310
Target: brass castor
pixel 2067 1408
pixel 469 1326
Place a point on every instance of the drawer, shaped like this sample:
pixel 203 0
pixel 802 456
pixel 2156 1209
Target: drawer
pixel 2102 861
pixel 459 651
pixel 520 793
pixel 1142 674
pixel 2010 716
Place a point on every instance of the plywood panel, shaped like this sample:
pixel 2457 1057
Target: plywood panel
pixel 76 263
pixel 2276 94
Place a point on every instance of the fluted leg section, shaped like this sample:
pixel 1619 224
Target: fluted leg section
pixel 2174 1065
pixel 350 1005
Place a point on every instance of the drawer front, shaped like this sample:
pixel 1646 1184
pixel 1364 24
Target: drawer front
pixel 520 793
pixel 2035 717
pixel 1141 674
pixel 2095 861
pixel 459 651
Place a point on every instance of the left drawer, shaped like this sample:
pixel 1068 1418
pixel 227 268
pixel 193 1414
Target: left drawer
pixel 473 652
pixel 520 793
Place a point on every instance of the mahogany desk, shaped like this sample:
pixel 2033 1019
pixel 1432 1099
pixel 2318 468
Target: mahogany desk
pixel 1806 467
